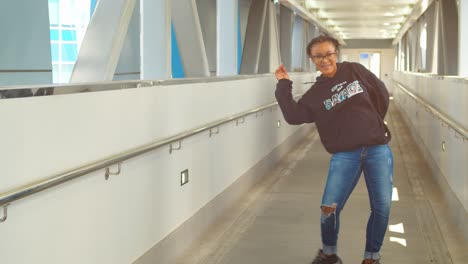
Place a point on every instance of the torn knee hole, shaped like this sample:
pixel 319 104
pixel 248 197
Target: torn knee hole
pixel 328 210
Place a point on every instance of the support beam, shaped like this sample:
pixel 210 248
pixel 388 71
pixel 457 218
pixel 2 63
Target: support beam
pixel 25 56
pixel 102 44
pixel 155 39
pixel 189 38
pixel 129 64
pixel 463 38
pixel 449 37
pixel 269 54
pixel 227 31
pixel 254 37
pixel 208 15
pixel 286 33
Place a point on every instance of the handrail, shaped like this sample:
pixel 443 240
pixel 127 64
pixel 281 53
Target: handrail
pixel 16 194
pixel 436 112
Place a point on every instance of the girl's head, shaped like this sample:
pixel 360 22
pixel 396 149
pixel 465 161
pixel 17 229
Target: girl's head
pixel 323 50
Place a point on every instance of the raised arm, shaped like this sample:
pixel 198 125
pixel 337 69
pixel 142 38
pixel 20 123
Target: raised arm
pixel 295 113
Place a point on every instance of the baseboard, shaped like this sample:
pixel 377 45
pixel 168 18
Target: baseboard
pixel 458 215
pixel 180 240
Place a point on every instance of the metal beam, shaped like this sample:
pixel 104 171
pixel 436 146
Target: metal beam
pixel 103 42
pixel 155 39
pixel 189 38
pixel 286 34
pixel 463 38
pixel 254 37
pixel 227 31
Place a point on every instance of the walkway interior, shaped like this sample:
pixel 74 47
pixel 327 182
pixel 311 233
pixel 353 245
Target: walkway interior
pixel 278 221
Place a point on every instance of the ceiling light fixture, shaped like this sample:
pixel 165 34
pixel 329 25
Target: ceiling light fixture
pixel 310 4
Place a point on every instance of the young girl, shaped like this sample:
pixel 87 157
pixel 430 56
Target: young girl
pixel 348 104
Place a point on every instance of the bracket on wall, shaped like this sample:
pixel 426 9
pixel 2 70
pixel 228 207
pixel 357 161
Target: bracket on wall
pixel 259 113
pixel 171 148
pixel 108 172
pixel 214 132
pixel 240 121
pixel 5 213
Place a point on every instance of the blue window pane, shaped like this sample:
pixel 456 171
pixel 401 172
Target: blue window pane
pixel 93 6
pixel 55 51
pixel 69 52
pixel 54 34
pixel 177 67
pixel 69 35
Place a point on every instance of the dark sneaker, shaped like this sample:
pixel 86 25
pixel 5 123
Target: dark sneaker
pixel 371 261
pixel 321 258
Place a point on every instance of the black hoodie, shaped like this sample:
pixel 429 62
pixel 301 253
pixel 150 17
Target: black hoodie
pixel 348 108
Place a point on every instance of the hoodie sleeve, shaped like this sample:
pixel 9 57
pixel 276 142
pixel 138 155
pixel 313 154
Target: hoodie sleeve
pixel 377 91
pixel 295 113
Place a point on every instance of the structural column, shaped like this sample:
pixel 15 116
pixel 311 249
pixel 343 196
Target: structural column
pixel 155 39
pixel 270 54
pixel 463 38
pixel 103 42
pixel 227 32
pixel 286 29
pixel 254 37
pixel 189 36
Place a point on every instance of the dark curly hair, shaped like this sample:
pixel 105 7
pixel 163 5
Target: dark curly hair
pixel 321 39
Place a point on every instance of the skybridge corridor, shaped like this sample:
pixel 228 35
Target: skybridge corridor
pixel 149 131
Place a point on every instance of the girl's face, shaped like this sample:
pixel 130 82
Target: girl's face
pixel 324 56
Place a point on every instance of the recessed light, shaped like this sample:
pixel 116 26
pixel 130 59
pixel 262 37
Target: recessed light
pixel 184 177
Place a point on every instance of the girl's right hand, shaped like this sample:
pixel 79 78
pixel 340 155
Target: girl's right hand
pixel 281 73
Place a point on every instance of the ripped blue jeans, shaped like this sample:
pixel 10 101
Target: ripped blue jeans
pixel 345 169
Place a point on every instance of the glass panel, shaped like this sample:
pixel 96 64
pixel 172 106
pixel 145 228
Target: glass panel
pixel 68 23
pixel 69 52
pixel 375 64
pixel 54 34
pixel 371 60
pixel 68 35
pixel 66 72
pixel 53 12
pixel 55 72
pixel 54 48
pixel 423 45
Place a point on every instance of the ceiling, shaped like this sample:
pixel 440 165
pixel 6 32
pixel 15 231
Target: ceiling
pixel 357 19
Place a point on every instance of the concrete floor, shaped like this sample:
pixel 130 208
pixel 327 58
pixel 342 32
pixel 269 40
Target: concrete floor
pixel 278 221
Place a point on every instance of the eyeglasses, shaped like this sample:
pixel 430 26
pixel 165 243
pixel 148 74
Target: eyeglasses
pixel 319 58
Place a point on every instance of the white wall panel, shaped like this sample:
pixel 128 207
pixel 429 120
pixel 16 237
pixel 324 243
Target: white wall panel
pixel 90 220
pixel 450 97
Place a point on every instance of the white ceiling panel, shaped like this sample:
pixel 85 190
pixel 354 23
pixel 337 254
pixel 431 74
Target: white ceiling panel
pixel 357 19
